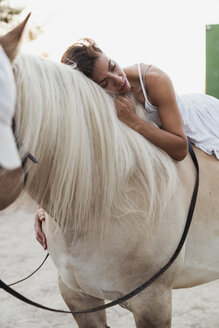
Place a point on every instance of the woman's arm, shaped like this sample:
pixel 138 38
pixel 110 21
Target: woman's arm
pixel 171 137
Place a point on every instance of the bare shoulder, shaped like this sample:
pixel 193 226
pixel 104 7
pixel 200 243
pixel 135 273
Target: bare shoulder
pixel 131 70
pixel 156 76
pixel 134 68
pixel 159 85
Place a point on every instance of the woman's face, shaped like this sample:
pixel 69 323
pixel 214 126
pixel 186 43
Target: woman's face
pixel 110 76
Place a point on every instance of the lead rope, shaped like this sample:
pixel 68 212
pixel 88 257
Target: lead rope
pixel 30 275
pixel 148 282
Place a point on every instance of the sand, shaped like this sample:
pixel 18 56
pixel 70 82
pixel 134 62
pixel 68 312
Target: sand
pixel 20 254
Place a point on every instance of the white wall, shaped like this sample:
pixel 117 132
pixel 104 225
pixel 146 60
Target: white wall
pixel 167 33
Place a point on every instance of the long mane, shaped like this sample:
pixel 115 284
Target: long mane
pixel 91 166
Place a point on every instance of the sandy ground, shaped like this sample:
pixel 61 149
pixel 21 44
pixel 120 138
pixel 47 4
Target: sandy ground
pixel 20 254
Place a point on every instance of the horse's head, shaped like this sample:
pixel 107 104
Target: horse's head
pixel 11 181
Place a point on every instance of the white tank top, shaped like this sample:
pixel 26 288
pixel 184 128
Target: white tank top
pixel 200 114
pixel 152 112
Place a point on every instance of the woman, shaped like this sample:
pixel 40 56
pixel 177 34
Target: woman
pixel 192 116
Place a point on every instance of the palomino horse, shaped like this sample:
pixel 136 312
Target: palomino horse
pixel 117 204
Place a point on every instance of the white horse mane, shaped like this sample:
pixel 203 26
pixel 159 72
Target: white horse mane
pixel 91 166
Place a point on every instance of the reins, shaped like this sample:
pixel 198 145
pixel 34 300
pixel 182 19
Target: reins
pixel 30 275
pixel 144 285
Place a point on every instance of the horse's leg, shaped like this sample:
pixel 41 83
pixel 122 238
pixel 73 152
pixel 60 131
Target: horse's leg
pixel 76 301
pixel 152 308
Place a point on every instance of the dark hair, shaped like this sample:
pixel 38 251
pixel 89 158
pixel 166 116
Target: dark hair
pixel 83 55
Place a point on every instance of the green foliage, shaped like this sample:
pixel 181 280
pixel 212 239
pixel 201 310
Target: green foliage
pixel 8 13
pixel 8 19
pixel 212 60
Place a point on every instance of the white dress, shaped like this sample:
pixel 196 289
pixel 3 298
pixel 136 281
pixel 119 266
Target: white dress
pixel 200 114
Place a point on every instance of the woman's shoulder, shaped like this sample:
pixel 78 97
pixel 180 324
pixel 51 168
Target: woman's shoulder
pixel 133 69
pixel 132 72
pixel 152 70
pixel 157 77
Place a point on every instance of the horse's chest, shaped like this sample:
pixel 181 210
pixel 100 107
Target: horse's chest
pixel 104 271
pixel 94 276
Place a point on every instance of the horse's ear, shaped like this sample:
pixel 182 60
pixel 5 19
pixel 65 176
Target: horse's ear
pixel 10 41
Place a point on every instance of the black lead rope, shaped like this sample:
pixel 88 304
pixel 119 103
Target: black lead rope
pixel 30 275
pixel 148 282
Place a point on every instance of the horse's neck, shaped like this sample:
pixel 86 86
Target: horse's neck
pixel 88 161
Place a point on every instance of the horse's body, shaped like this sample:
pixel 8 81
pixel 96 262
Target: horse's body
pixel 118 205
pixel 114 225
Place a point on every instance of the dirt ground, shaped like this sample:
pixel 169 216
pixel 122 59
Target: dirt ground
pixel 20 254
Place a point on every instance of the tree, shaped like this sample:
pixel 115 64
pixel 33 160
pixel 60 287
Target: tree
pixel 8 13
pixel 8 19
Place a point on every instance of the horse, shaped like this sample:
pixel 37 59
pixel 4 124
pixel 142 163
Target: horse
pixel 117 204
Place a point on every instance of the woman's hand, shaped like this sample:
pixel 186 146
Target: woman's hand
pixel 40 236
pixel 126 110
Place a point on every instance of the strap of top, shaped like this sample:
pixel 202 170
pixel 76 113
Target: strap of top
pixel 143 79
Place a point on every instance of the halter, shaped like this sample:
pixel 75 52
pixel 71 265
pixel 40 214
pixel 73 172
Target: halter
pixel 26 156
pixel 144 285
pixel 24 165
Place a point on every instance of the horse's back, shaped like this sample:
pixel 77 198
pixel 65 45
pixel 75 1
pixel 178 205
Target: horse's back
pixel 201 262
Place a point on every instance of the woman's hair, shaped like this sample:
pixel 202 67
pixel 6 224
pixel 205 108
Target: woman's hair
pixel 83 55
